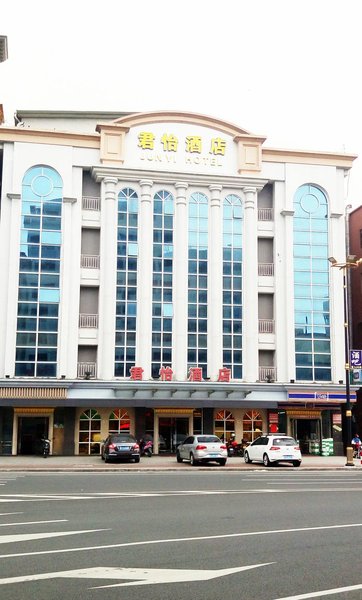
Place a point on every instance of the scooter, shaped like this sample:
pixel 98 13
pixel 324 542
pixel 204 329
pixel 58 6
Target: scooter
pixel 146 448
pixel 45 447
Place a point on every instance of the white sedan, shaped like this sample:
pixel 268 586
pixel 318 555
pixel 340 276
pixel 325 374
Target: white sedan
pixel 274 449
pixel 202 449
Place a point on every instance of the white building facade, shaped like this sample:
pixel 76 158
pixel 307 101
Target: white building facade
pixel 166 273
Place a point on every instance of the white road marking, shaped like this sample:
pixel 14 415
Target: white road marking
pixel 12 513
pixel 24 537
pixel 341 590
pixel 34 522
pixel 141 576
pixel 180 540
pixel 169 493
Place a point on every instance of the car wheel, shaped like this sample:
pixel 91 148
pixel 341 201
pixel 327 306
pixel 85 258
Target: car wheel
pixel 106 458
pixel 296 463
pixel 193 462
pixel 178 457
pixel 266 461
pixel 222 462
pixel 137 459
pixel 246 457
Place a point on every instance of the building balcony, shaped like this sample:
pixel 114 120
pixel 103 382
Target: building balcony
pixel 265 214
pixel 88 321
pixel 87 370
pixel 266 269
pixel 266 326
pixel 90 261
pixel 91 203
pixel 268 374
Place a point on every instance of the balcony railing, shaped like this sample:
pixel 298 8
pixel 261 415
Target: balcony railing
pixel 91 203
pixel 86 370
pixel 88 321
pixel 265 214
pixel 89 261
pixel 266 269
pixel 266 325
pixel 267 374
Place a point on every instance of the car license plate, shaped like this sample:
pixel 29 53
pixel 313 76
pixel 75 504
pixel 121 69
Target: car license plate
pixel 214 454
pixel 287 456
pixel 122 447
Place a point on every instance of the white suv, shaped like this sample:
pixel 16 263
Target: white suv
pixel 273 449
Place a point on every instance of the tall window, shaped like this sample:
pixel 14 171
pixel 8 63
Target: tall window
pixel 224 424
pixel 311 285
pixel 126 305
pixel 89 432
pixel 197 282
pixel 252 425
pixel 232 285
pixel 162 307
pixel 39 273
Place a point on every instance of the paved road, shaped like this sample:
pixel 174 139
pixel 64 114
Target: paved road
pixel 204 534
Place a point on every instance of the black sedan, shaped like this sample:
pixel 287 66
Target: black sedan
pixel 121 446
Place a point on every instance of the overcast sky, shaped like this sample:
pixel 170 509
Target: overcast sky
pixel 286 69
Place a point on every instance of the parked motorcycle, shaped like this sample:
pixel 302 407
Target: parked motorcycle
pixel 146 448
pixel 235 449
pixel 45 447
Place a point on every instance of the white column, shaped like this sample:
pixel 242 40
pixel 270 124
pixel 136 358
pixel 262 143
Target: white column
pixel 180 284
pixel 69 289
pixel 250 287
pixel 108 276
pixel 214 353
pixel 144 283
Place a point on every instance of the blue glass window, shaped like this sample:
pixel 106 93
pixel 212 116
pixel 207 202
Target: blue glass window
pixel 311 289
pixel 126 291
pixel 232 291
pixel 163 223
pixel 41 209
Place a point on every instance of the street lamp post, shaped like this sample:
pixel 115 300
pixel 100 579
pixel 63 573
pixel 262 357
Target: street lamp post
pixel 351 263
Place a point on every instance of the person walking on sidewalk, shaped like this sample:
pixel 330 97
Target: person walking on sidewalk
pixel 356 445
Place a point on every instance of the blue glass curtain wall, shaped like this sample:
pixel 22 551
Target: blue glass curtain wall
pixel 126 302
pixel 39 273
pixel 162 278
pixel 232 285
pixel 197 282
pixel 311 285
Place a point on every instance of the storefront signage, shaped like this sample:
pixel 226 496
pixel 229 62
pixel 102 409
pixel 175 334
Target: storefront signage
pixel 356 358
pixel 336 418
pixel 321 397
pixel 190 148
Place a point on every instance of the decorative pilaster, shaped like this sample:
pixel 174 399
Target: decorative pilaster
pixel 250 287
pixel 144 284
pixel 214 353
pixel 180 285
pixel 108 273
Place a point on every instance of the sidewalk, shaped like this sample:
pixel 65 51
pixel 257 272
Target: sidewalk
pixel 157 463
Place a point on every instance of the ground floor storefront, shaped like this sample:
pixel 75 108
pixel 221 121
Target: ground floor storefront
pixel 80 430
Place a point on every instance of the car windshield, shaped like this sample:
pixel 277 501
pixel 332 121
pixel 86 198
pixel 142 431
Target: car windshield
pixel 284 441
pixel 125 437
pixel 208 439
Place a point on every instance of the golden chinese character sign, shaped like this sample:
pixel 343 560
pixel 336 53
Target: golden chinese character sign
pixel 181 147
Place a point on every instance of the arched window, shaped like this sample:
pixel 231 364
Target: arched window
pixel 197 282
pixel 162 279
pixel 126 304
pixel 39 273
pixel 89 432
pixel 311 285
pixel 119 421
pixel 232 285
pixel 252 425
pixel 224 424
